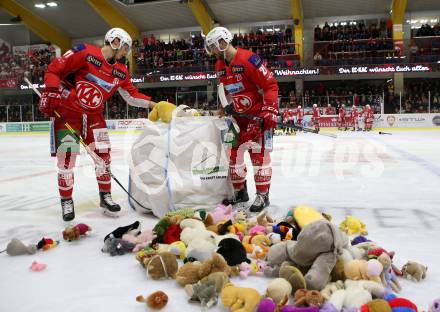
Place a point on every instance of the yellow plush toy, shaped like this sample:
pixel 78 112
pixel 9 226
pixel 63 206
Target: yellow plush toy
pixel 163 111
pixel 304 215
pixel 240 299
pixel 352 225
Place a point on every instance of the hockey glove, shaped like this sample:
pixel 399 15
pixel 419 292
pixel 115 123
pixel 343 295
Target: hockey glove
pixel 253 133
pixel 50 101
pixel 269 115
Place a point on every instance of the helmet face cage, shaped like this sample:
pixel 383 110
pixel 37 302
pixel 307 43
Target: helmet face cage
pixel 212 39
pixel 122 35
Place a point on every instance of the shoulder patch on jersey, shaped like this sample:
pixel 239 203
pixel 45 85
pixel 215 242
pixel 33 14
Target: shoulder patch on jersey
pixel 119 73
pixel 79 47
pixel 94 60
pixel 255 60
pixel 237 69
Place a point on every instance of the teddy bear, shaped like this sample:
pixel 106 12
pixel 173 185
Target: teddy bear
pixel 232 251
pixel 192 272
pixel 376 305
pixel 352 225
pixel 207 289
pixel 71 233
pixel 308 298
pixel 355 294
pixel 315 252
pixel 253 268
pixel 222 213
pixel 117 246
pixel 415 271
pixel 16 248
pixel 330 288
pixel 162 111
pixel 205 293
pixel 389 278
pixel 279 290
pixel 140 241
pixel 162 265
pixel 240 299
pixel 360 269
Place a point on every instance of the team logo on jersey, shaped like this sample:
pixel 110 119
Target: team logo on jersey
pixel 88 95
pixel 221 73
pixel 255 60
pixel 95 61
pixel 237 69
pixel 119 74
pixel 234 87
pixel 241 102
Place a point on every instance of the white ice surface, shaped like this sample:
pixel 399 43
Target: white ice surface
pixel 391 182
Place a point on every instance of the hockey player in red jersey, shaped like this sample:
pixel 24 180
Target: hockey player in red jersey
pixel 329 110
pixel 299 116
pixel 368 118
pixel 244 76
pixel 342 122
pixel 289 120
pixel 77 86
pixel 354 117
pixel 316 116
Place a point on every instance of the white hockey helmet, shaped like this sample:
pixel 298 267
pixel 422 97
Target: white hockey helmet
pixel 299 106
pixel 212 39
pixel 122 35
pixel 315 105
pixel 367 106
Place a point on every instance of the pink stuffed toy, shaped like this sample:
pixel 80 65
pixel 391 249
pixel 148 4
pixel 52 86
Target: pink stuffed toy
pixel 253 268
pixel 221 213
pixel 257 229
pixel 141 241
pixel 35 266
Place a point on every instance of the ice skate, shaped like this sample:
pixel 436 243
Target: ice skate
pixel 68 209
pixel 261 201
pixel 109 207
pixel 240 197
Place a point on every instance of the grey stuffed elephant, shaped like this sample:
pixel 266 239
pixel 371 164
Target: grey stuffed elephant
pixel 314 254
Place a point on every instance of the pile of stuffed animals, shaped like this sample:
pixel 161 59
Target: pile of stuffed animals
pixel 314 265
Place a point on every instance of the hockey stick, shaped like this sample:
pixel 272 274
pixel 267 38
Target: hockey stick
pixel 80 139
pixel 380 132
pixel 224 102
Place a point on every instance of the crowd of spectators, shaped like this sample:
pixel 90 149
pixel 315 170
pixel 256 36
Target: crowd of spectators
pixel 423 49
pixel 427 30
pixel 275 48
pixel 347 95
pixel 31 63
pixel 420 97
pixel 354 43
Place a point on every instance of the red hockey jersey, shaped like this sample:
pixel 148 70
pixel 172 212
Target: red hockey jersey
pixel 316 113
pixel 288 115
pixel 249 83
pixel 88 80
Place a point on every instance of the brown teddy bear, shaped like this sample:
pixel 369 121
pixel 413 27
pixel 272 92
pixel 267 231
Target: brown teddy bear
pixel 192 272
pixel 162 265
pixel 308 298
pixel 414 270
pixel 240 299
pixel 72 233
